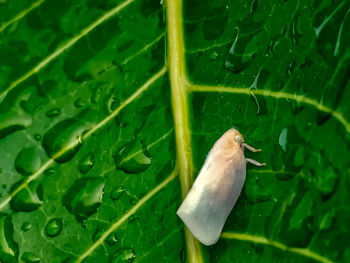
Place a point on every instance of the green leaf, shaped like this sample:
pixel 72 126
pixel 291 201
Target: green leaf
pixel 109 108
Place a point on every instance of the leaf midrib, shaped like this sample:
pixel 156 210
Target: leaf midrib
pixel 179 99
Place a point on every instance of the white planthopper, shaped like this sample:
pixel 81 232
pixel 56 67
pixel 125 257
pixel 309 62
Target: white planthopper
pixel 216 188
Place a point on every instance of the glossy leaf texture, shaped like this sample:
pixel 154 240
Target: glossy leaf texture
pixel 109 108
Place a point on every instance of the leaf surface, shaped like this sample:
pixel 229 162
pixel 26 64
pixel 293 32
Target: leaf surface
pixel 108 109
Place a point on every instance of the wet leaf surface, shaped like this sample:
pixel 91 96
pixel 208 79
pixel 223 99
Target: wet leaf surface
pixel 108 109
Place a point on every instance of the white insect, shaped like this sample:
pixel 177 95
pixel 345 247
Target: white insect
pixel 216 188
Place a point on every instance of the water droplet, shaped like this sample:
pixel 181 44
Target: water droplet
pixel 37 136
pixel 124 255
pixel 228 64
pixel 12 121
pixel 294 30
pixel 53 227
pixel 282 140
pixel 325 221
pixel 112 239
pixel 237 64
pixel 233 46
pixel 79 103
pixel 86 163
pixel 214 55
pixel 61 141
pixel 8 246
pixel 29 257
pixel 84 223
pixel 237 60
pixel 117 193
pixel 28 161
pixel 3 95
pixel 133 158
pixel 84 197
pixel 50 171
pixel 26 226
pixel 53 112
pixel 296 107
pixel 96 96
pixel 27 199
pixel 326 180
pixel 111 104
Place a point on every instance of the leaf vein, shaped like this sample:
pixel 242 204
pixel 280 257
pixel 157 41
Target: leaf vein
pixel 67 45
pixel 50 161
pixel 262 240
pixel 20 15
pixel 132 211
pixel 274 94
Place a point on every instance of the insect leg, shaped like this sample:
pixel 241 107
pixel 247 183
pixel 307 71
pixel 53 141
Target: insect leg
pixel 250 148
pixel 254 162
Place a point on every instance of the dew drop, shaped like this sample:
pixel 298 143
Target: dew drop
pixel 214 55
pixel 97 234
pixel 28 161
pixel 133 158
pixel 112 239
pixel 111 104
pixel 325 220
pixel 79 103
pixel 53 227
pixel 27 199
pixel 96 96
pixel 282 140
pixel 8 246
pixel 228 64
pixel 117 193
pixel 296 107
pixel 124 255
pixel 12 122
pixel 61 141
pixel 29 257
pixel 4 94
pixel 50 171
pixel 26 226
pixel 84 223
pixel 86 163
pixel 37 136
pixel 53 112
pixel 84 197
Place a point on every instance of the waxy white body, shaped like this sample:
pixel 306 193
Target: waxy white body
pixel 216 188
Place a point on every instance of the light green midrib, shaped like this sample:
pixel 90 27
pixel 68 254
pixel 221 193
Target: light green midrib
pixel 264 241
pixel 179 99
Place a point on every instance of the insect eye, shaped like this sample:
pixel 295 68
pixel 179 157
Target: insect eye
pixel 238 138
